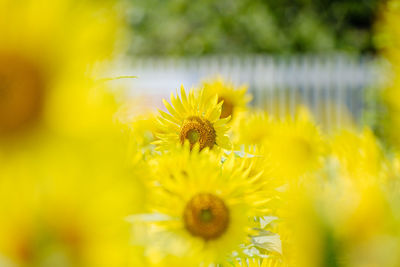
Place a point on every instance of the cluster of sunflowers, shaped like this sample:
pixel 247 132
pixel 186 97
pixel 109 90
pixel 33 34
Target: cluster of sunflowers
pixel 231 186
pixel 209 181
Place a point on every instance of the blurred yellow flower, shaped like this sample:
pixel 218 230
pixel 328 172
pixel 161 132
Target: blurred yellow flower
pixel 360 155
pixel 140 121
pixel 46 51
pixel 65 187
pixel 66 207
pixel 335 222
pixel 294 147
pixel 252 128
pixel 235 99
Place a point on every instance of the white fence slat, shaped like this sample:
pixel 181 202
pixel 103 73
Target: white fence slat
pixel 328 85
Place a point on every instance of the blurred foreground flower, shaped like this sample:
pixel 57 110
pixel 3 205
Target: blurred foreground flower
pixel 45 55
pixel 65 181
pixel 337 223
pixel 68 210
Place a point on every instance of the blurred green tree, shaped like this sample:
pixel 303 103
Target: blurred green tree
pixel 197 27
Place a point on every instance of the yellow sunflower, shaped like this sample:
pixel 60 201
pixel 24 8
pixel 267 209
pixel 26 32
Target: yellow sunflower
pixel 193 118
pixel 253 157
pixel 336 223
pixel 295 147
pixel 234 99
pixel 46 51
pixel 66 206
pixel 252 128
pixel 200 210
pixel 360 155
pixel 140 121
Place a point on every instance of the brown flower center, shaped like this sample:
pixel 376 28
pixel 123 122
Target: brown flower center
pixel 197 130
pixel 21 93
pixel 206 216
pixel 227 108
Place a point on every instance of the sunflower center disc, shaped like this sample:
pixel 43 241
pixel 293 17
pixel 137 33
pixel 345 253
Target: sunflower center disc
pixel 197 130
pixel 206 216
pixel 21 93
pixel 193 136
pixel 227 108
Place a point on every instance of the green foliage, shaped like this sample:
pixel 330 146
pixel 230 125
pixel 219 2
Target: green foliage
pixel 196 27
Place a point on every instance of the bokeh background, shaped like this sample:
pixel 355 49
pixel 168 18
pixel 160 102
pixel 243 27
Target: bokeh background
pixel 317 53
pixel 196 28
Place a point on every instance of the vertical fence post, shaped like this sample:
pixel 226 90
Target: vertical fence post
pixel 327 85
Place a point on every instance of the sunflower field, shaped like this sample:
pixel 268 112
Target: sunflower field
pixel 89 178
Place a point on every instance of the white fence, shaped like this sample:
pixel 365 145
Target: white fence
pixel 334 87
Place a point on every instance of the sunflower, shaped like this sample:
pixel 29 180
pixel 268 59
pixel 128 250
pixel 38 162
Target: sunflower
pixel 253 157
pixel 49 218
pixel 334 222
pixel 201 209
pixel 195 119
pixel 295 147
pixel 252 128
pixel 360 155
pixel 234 99
pixel 46 49
pixel 140 121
